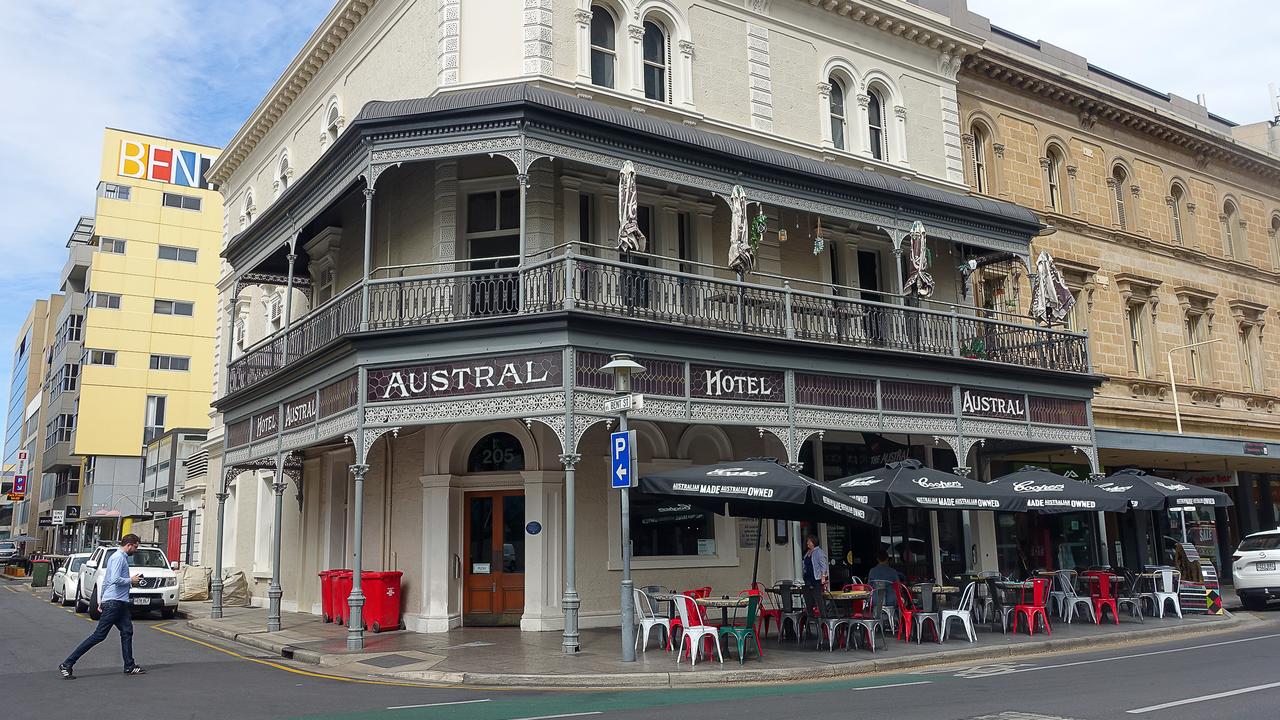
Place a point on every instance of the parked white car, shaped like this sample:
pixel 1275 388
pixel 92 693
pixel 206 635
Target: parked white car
pixel 158 589
pixel 66 582
pixel 8 550
pixel 1255 569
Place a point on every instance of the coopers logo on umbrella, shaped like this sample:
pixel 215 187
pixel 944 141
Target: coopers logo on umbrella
pixel 1172 487
pixel 735 472
pixel 1113 488
pixel 1030 486
pixel 862 482
pixel 926 483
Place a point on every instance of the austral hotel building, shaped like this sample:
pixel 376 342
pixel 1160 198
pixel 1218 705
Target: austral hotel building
pixel 423 283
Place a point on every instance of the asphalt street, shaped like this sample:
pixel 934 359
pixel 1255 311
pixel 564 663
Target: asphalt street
pixel 1225 675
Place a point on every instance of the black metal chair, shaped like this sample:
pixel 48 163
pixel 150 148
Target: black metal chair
pixel 790 613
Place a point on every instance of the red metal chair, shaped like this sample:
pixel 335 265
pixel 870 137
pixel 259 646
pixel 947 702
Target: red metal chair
pixel 906 611
pixel 1101 594
pixel 769 612
pixel 1034 609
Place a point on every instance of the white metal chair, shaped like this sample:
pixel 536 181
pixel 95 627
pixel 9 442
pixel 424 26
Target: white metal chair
pixel 1165 590
pixel 1070 599
pixel 649 619
pixel 694 630
pixel 1062 579
pixel 963 613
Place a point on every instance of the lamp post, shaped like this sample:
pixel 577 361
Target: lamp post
pixel 623 367
pixel 1173 380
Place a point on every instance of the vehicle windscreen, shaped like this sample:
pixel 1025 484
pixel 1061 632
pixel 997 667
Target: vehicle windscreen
pixel 145 558
pixel 1265 542
pixel 76 563
pixel 8 546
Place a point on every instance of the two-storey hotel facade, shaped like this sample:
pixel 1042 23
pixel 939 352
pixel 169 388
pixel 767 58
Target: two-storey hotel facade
pixel 423 281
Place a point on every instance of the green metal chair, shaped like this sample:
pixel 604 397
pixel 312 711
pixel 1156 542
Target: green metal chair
pixel 747 630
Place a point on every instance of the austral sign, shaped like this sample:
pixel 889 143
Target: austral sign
pixel 301 411
pixel 997 405
pixel 465 377
pixel 723 383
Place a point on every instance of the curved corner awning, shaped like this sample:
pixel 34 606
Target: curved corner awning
pixel 758 489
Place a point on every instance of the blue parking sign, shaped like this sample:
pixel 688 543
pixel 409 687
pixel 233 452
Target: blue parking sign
pixel 620 444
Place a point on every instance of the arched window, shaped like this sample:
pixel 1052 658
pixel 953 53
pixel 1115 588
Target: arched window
pixel 332 122
pixel 1231 239
pixel 496 452
pixel 604 49
pixel 1177 196
pixel 1053 178
pixel 657 62
pixel 1118 178
pixel 875 124
pixel 1274 236
pixel 981 158
pixel 283 173
pixel 246 216
pixel 838 121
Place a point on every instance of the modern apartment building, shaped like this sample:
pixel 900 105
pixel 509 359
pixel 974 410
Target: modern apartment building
pixel 133 353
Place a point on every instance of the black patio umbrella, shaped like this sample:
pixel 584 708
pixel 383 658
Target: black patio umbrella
pixel 1047 492
pixel 1148 492
pixel 909 484
pixel 759 489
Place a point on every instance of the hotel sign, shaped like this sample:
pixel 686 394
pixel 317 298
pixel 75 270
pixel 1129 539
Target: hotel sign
pixel 147 161
pixel 465 377
pixel 724 383
pixel 988 404
pixel 265 424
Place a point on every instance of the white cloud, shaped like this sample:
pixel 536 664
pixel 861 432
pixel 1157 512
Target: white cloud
pixel 1227 49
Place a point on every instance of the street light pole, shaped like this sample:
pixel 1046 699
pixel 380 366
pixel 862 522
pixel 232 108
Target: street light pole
pixel 623 367
pixel 1173 380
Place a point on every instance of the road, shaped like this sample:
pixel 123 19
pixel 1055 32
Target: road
pixel 1226 675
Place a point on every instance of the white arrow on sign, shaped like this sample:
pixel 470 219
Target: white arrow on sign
pixel 621 472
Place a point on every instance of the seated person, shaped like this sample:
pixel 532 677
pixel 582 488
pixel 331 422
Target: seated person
pixel 886 573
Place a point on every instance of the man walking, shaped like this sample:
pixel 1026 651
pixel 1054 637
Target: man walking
pixel 113 603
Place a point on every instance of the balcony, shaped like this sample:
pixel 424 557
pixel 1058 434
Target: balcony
pixel 609 288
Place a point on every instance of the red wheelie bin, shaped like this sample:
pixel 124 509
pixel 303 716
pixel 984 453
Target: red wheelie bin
pixel 382 599
pixel 326 595
pixel 340 582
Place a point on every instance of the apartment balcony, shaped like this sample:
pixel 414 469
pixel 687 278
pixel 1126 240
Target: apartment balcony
pixel 575 284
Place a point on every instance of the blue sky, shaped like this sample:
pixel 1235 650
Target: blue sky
pixel 194 70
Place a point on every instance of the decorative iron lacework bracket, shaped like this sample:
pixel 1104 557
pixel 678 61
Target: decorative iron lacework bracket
pixel 792 439
pixel 292 470
pixel 569 441
pixel 1091 453
pixel 371 435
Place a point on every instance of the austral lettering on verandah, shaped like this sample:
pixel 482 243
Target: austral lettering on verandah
pixel 465 377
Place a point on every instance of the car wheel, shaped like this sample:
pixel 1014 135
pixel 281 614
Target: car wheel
pixel 168 613
pixel 53 595
pixel 94 613
pixel 65 600
pixel 81 605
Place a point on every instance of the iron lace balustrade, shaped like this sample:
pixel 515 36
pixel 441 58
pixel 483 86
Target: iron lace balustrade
pixel 617 288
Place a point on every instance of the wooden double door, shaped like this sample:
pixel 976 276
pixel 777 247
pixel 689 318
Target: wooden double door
pixel 493 569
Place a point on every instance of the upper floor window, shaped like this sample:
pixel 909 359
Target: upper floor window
pixel 115 192
pixel 332 121
pixel 1194 324
pixel 174 307
pixel 838 118
pixel 99 357
pixel 283 173
pixel 604 52
pixel 180 254
pixel 170 362
pixel 1250 368
pixel 1177 197
pixel 1053 178
pixel 186 202
pixel 1232 235
pixel 106 301
pixel 876 124
pixel 240 333
pixel 114 246
pixel 1273 234
pixel 1118 178
pixel 981 158
pixel 246 216
pixel 657 61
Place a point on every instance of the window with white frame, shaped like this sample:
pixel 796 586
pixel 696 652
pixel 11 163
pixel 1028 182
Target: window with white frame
pixel 1232 233
pixel 876 124
pixel 1117 183
pixel 111 246
pixel 604 47
pixel 982 156
pixel 656 58
pixel 1273 235
pixel 332 121
pixel 240 333
pixel 283 173
pixel 1135 317
pixel 99 357
pixel 838 113
pixel 1177 198
pixel 155 415
pixel 1250 368
pixel 246 214
pixel 104 301
pixel 113 191
pixel 1054 161
pixel 1195 327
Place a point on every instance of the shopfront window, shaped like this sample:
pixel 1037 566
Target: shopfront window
pixel 1027 542
pixel 670 527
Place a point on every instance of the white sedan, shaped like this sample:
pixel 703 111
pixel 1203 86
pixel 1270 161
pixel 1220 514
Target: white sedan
pixel 66 581
pixel 1255 569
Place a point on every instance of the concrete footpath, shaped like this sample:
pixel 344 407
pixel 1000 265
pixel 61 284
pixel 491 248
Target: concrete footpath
pixel 506 657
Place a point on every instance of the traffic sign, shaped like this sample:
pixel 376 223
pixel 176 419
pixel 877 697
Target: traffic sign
pixel 621 476
pixel 59 517
pixel 624 402
pixel 19 485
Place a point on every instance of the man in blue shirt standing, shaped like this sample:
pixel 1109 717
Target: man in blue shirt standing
pixel 113 603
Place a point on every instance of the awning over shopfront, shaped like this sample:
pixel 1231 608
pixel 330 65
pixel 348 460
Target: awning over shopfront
pixel 1039 490
pixel 1148 492
pixel 758 489
pixel 909 484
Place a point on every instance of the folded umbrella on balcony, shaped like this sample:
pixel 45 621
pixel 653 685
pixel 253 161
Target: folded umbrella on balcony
pixel 909 484
pixel 1046 492
pixel 1148 492
pixel 919 282
pixel 742 256
pixel 1051 299
pixel 630 239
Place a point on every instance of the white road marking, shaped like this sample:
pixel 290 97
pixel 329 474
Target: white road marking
pixel 565 715
pixel 1202 698
pixel 1139 655
pixel 893 685
pixel 439 704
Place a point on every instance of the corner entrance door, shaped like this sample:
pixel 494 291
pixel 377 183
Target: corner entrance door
pixel 493 575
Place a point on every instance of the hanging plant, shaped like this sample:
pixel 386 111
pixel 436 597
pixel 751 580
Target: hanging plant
pixel 759 224
pixel 819 243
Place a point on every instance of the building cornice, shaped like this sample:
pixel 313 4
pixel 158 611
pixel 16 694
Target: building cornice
pixel 323 44
pixel 1092 102
pixel 909 22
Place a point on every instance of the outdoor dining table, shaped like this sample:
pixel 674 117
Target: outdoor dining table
pixel 725 604
pixel 926 591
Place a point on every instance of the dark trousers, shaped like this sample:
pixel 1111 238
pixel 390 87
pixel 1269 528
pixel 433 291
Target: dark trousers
pixel 114 613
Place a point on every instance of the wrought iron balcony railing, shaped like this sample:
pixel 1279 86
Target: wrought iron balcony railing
pixel 626 290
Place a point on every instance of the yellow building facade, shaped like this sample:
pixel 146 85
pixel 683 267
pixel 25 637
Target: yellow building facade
pixel 149 309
